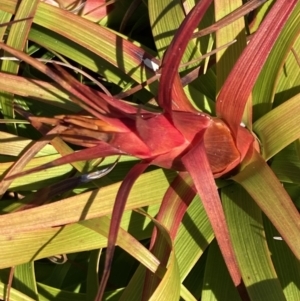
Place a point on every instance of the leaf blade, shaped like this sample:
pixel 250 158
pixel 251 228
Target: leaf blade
pixel 246 230
pixel 211 202
pixel 272 199
pixel 233 97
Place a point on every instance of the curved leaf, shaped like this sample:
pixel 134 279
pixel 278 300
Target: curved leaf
pixel 272 199
pixel 286 264
pixel 278 128
pixel 234 31
pixel 174 205
pixel 265 87
pixel 174 54
pixel 248 238
pixel 98 39
pixel 117 212
pixel 17 38
pixel 169 287
pixel 233 96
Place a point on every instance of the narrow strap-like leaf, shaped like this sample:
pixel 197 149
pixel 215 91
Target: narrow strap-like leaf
pixel 197 165
pixel 278 128
pixel 246 229
pixel 239 84
pixel 25 280
pixel 174 205
pixel 101 150
pixel 174 54
pixel 26 157
pixel 45 194
pixel 117 213
pixel 66 81
pixel 262 184
pixel 17 38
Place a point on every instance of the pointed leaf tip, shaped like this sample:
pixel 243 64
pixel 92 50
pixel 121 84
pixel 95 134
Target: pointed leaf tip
pixel 239 84
pixel 117 213
pixel 175 52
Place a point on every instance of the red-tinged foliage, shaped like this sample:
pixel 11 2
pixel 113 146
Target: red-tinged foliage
pixel 176 200
pixel 197 164
pixel 221 152
pixel 117 213
pixel 152 137
pixel 95 10
pixel 234 94
pixel 173 56
pixel 179 138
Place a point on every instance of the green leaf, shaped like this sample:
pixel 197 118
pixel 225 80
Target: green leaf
pixel 234 95
pixel 126 242
pixel 217 286
pixel 173 207
pixel 286 165
pixel 134 289
pixel 286 264
pixel 263 186
pixel 169 287
pixel 31 88
pixel 247 234
pixel 39 179
pixel 288 80
pixel 265 87
pixel 24 280
pixel 13 145
pixel 194 235
pixel 78 53
pixel 17 38
pixel 97 39
pixel 15 295
pixel 48 293
pixel 4 17
pixel 279 127
pixel 34 244
pixel 233 31
pixel 92 280
pixel 260 13
pixel 165 17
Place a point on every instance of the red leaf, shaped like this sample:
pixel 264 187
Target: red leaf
pixel 27 155
pixel 101 150
pixel 239 84
pixel 221 151
pixel 196 163
pixel 180 100
pixel 95 100
pixel 174 55
pixel 158 133
pixel 117 213
pixel 190 124
pixel 173 207
pixel 95 10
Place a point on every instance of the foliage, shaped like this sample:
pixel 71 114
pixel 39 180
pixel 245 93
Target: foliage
pixel 155 126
